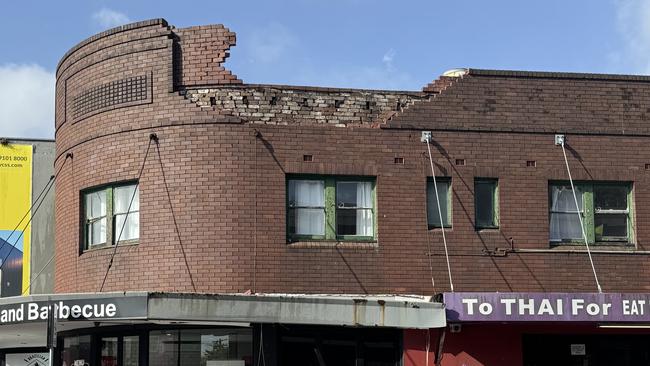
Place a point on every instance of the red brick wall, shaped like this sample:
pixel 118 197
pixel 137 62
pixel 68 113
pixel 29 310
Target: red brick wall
pixel 201 51
pixel 227 186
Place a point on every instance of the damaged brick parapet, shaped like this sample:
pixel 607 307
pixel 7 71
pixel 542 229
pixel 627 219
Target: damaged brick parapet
pixel 282 105
pixel 199 55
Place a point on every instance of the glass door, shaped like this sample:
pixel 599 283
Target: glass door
pixel 109 351
pixel 131 351
pixel 119 351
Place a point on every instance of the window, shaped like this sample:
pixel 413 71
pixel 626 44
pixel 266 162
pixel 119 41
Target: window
pixel 444 195
pixel 486 203
pixel 114 348
pixel 606 210
pixel 331 208
pixel 109 215
pixel 226 346
pixel 76 348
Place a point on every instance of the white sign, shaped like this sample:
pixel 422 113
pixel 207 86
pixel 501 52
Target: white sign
pixel 27 359
pixel 578 350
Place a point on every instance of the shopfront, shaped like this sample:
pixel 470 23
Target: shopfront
pixel 157 345
pixel 139 329
pixel 530 329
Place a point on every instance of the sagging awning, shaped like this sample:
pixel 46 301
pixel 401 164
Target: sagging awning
pixel 23 319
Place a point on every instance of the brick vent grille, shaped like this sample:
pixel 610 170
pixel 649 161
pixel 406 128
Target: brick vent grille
pixel 106 96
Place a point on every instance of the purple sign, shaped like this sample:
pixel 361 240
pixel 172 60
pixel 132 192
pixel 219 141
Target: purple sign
pixel 547 307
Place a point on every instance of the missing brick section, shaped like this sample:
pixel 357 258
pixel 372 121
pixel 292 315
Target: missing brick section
pixel 647 167
pixel 399 160
pixel 213 101
pixel 460 162
pixel 533 163
pixel 297 106
pixel 308 157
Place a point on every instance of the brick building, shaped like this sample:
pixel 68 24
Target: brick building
pixel 316 211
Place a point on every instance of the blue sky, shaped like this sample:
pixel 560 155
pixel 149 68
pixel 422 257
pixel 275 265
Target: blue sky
pixel 347 43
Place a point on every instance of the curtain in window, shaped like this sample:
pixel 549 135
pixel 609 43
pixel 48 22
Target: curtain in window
pixel 564 221
pixel 96 217
pixel 308 200
pixel 364 216
pixel 122 198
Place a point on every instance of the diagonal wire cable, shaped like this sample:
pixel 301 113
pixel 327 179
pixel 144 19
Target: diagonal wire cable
pixel 6 240
pixel 442 225
pixel 38 275
pixel 582 225
pixel 36 203
pixel 171 206
pixel 152 137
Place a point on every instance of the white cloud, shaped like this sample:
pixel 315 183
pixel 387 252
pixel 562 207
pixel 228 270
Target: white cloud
pixel 388 57
pixel 108 18
pixel 633 22
pixel 379 76
pixel 268 44
pixel 26 101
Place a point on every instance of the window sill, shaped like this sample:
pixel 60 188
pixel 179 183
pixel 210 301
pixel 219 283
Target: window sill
pixel 101 248
pixel 628 249
pixel 438 228
pixel 494 229
pixel 323 244
pixel 594 248
pixel 611 245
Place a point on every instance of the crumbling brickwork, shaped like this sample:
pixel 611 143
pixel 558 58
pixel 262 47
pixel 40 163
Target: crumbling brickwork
pixel 200 53
pixel 308 106
pixel 225 151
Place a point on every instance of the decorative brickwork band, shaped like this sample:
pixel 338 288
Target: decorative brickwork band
pixel 120 93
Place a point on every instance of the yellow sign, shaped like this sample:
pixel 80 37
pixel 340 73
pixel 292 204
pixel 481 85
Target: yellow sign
pixel 15 202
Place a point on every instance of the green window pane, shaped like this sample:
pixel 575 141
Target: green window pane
pixel 330 208
pixel 604 207
pixel 485 203
pixel 432 205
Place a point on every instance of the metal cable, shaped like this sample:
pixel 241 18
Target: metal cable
pixel 6 240
pixel 582 226
pixel 36 203
pixel 442 225
pixel 38 274
pixel 171 208
pixel 260 355
pixel 152 137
